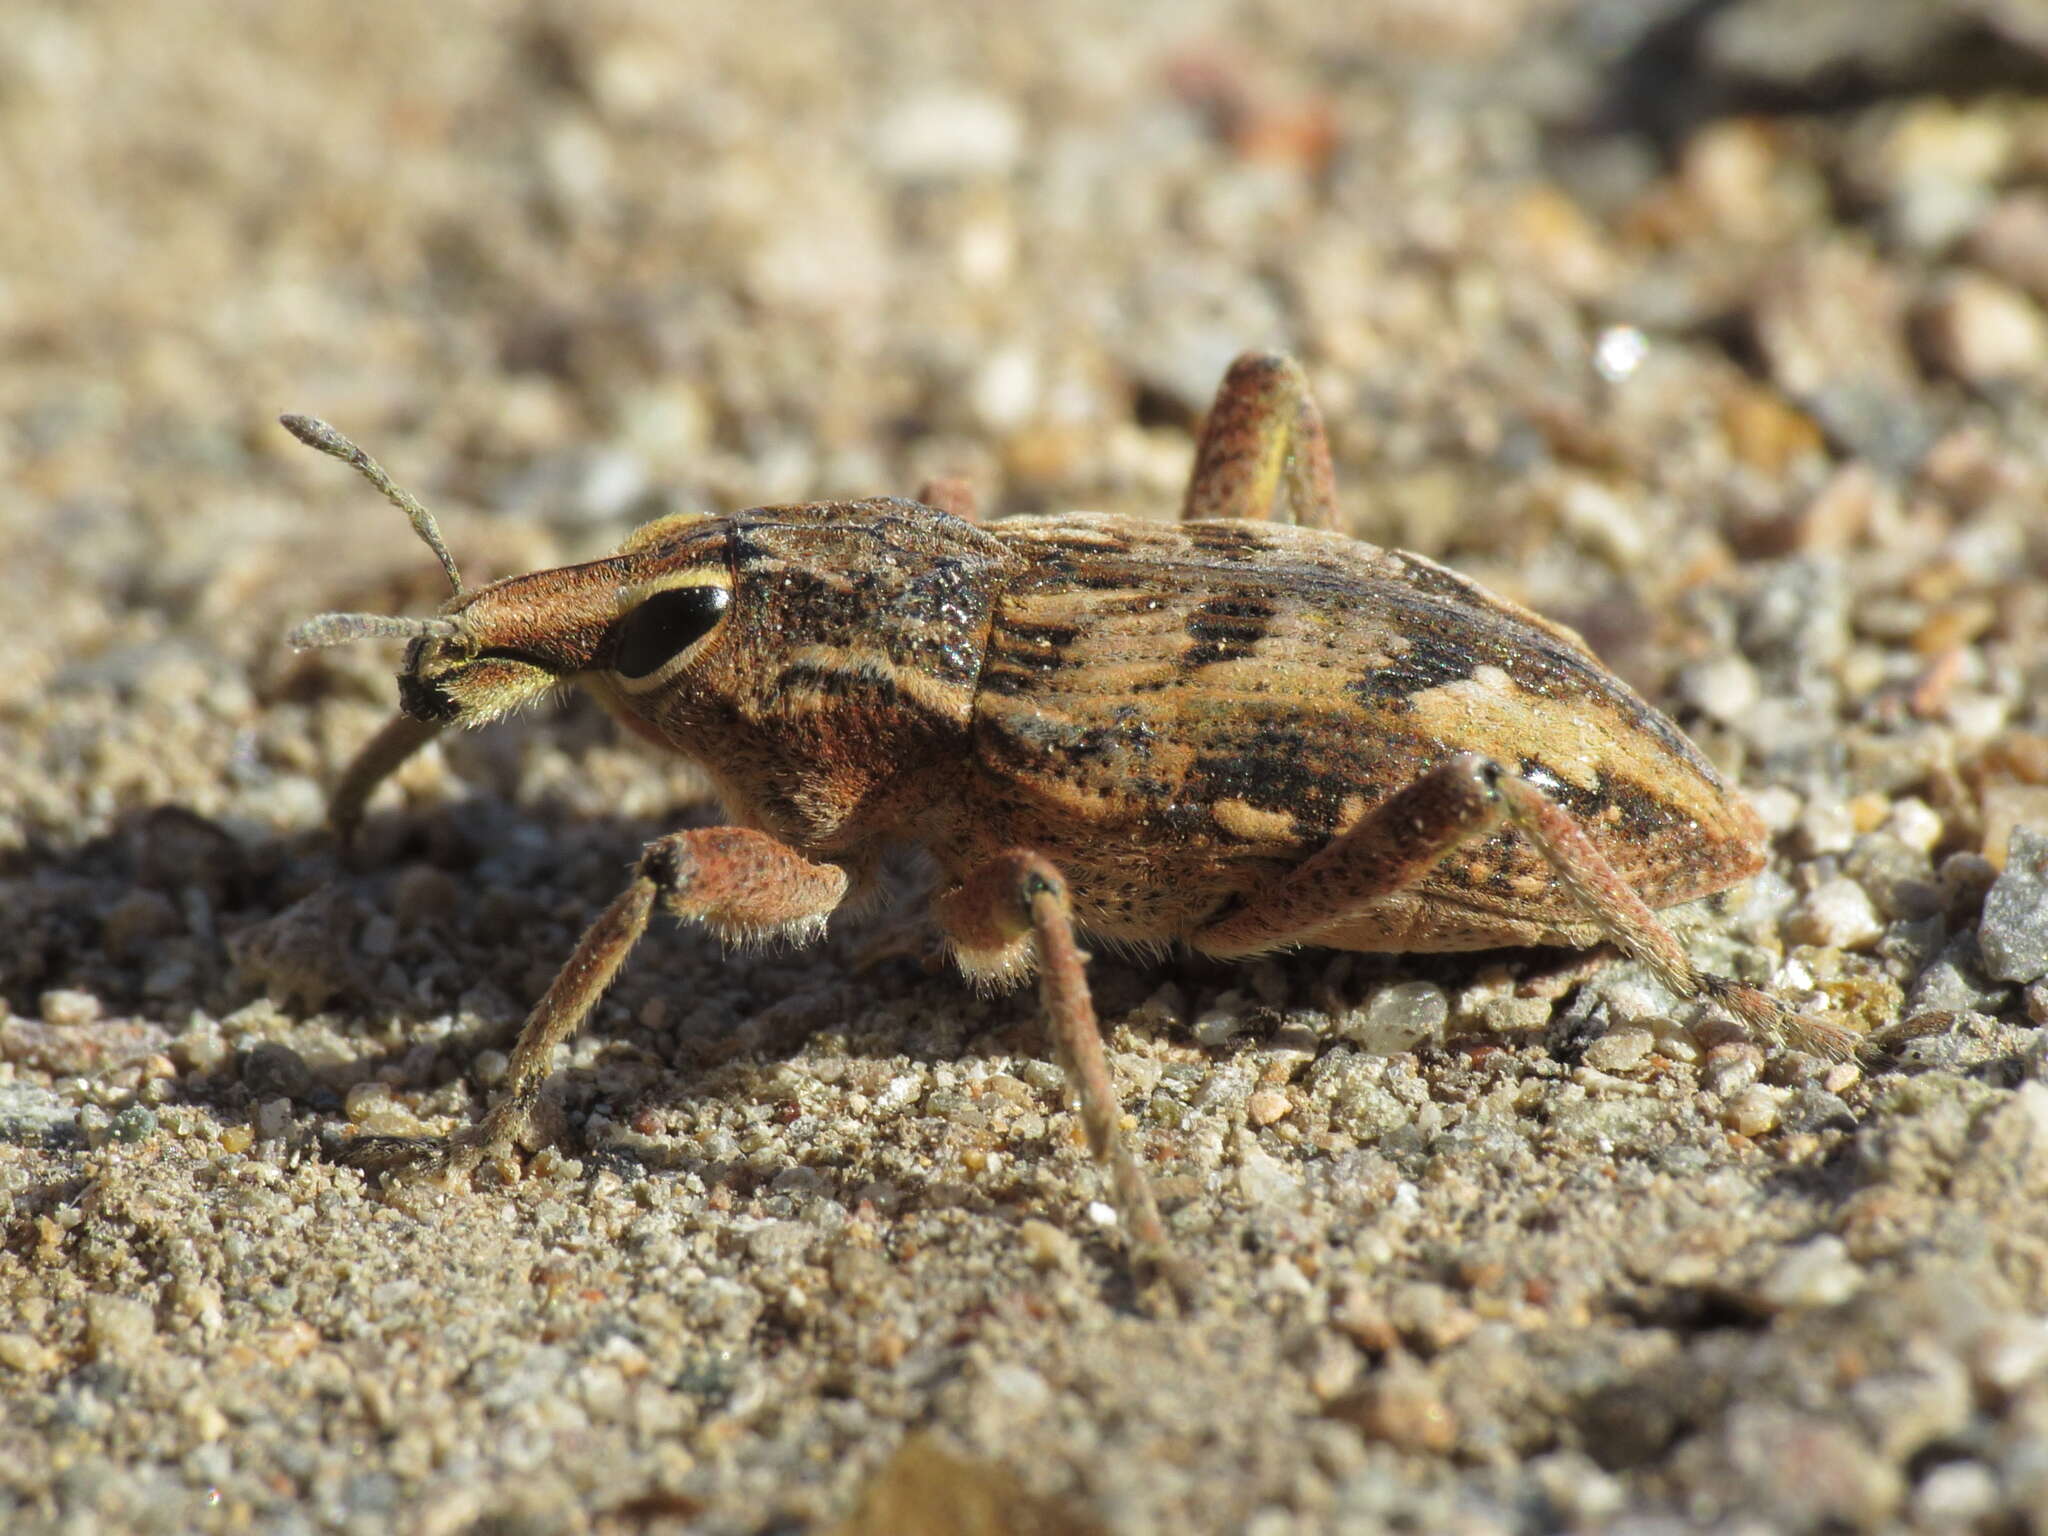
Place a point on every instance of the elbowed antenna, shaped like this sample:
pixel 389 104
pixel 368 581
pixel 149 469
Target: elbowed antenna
pixel 315 433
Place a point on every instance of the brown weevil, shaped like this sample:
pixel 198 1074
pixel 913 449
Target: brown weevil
pixel 1239 732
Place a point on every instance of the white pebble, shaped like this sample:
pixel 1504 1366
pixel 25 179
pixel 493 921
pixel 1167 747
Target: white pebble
pixel 1915 823
pixel 1836 914
pixel 1983 331
pixel 1398 1018
pixel 947 132
pixel 68 1005
pixel 273 1118
pixel 1725 688
pixel 1818 1273
pixel 1621 1049
pixel 1827 826
pixel 120 1327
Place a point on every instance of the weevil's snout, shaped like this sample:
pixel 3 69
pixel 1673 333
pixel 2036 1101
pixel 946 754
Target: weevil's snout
pixel 496 649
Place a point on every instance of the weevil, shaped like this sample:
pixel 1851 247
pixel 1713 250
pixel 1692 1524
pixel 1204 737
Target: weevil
pixel 1237 732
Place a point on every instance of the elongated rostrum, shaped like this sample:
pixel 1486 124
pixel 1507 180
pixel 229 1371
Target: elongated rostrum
pixel 1236 732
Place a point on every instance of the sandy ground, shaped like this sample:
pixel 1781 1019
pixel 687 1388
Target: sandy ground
pixel 1715 331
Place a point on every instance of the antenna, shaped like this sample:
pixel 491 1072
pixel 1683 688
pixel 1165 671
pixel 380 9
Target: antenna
pixel 340 628
pixel 315 433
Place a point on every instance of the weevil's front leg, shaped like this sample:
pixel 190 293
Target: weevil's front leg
pixel 1263 453
pixel 740 883
pixel 380 757
pixel 1019 900
pixel 1463 799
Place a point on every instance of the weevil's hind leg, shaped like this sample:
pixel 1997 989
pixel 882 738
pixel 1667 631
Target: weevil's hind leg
pixel 1464 799
pixel 1262 452
pixel 1631 924
pixel 1018 900
pixel 742 884
pixel 380 757
pixel 951 493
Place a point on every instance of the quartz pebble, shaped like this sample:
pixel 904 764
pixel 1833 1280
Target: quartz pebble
pixel 1818 1273
pixel 1837 914
pixel 1398 1018
pixel 1621 1049
pixel 1983 331
pixel 1756 1111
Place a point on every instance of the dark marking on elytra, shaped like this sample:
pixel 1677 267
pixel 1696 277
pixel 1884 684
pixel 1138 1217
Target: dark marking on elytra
pixel 1225 629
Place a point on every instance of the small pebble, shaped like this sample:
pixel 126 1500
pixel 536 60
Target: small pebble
pixel 136 1123
pixel 273 1118
pixel 23 1353
pixel 201 1047
pixel 1955 1496
pixel 1621 1049
pixel 1398 1018
pixel 2012 938
pixel 1264 1180
pixel 1731 1068
pixel 2011 242
pixel 273 1071
pixel 1756 1111
pixel 424 894
pixel 375 1112
pixel 1403 1407
pixel 119 1327
pixel 67 1005
pixel 2010 1353
pixel 1818 1273
pixel 1983 331
pixel 1047 1247
pixel 1216 1025
pixel 1836 914
pixel 92 1122
pixel 1915 823
pixel 1724 689
pixel 1827 826
pixel 1266 1106
pixel 945 132
pixel 1577 1491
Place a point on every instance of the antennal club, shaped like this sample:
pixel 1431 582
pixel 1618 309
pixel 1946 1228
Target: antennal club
pixel 315 433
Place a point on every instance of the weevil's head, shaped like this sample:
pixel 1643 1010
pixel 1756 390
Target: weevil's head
pixel 806 655
pixel 629 623
pixel 778 611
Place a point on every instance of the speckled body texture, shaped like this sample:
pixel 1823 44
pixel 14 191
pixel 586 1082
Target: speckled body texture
pixel 1177 712
pixel 1173 712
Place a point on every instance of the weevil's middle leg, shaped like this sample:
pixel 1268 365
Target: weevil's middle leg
pixel 1464 799
pixel 1263 452
pixel 1020 896
pixel 739 882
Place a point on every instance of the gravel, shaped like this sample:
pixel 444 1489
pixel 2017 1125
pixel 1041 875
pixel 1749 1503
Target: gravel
pixel 1713 332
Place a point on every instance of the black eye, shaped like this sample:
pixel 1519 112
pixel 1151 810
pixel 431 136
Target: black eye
pixel 664 626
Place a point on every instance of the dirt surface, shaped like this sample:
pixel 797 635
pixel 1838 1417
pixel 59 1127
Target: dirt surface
pixel 1715 331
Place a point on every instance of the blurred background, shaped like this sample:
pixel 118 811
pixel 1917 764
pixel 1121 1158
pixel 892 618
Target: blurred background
pixel 1598 295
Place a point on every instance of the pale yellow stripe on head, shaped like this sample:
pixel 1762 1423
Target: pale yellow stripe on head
pixel 941 698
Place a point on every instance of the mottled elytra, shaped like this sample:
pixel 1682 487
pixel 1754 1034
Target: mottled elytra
pixel 1238 732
